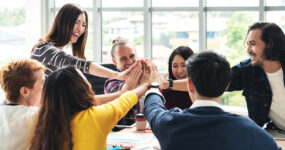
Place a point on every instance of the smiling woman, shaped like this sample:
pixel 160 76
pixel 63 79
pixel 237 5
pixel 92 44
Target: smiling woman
pixel 177 71
pixel 70 27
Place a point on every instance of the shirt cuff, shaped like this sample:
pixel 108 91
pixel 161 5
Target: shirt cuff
pixel 154 91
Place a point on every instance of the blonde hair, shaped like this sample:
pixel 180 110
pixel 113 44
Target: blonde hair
pixel 118 41
pixel 17 74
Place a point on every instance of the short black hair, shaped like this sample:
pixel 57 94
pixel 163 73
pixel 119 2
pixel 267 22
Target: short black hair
pixel 184 51
pixel 274 38
pixel 209 72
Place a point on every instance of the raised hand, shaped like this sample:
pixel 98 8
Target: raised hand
pixel 125 74
pixel 134 76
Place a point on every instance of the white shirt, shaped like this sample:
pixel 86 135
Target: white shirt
pixel 277 109
pixel 16 126
pixel 203 103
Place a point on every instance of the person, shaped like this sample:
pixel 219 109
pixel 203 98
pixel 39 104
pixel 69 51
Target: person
pixel 205 125
pixel 123 57
pixel 177 71
pixel 70 26
pixel 261 77
pixel 69 117
pixel 22 82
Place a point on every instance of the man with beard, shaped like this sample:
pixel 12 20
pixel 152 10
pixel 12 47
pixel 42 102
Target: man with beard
pixel 123 57
pixel 262 76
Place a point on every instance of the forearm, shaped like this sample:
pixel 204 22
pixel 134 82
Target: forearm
pixel 140 90
pixel 178 85
pixel 153 107
pixel 105 98
pixel 101 71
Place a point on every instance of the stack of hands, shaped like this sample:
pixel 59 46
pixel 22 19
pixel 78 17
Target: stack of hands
pixel 142 73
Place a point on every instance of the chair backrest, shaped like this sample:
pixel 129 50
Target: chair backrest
pixel 98 82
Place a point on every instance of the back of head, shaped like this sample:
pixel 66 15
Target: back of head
pixel 274 39
pixel 65 93
pixel 118 41
pixel 184 51
pixel 209 72
pixel 17 74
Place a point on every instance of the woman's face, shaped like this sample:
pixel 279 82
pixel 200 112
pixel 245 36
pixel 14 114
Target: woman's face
pixel 179 67
pixel 79 28
pixel 36 91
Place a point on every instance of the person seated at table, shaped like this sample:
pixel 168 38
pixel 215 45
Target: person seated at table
pixel 123 56
pixel 69 117
pixel 22 82
pixel 205 125
pixel 177 71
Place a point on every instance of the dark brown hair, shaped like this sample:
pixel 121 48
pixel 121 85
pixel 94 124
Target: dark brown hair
pixel 17 74
pixel 62 29
pixel 65 93
pixel 184 51
pixel 274 38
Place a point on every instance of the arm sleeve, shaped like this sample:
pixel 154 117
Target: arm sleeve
pixel 113 85
pixel 107 115
pixel 154 111
pixel 50 55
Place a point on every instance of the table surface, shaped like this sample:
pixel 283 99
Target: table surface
pixel 154 145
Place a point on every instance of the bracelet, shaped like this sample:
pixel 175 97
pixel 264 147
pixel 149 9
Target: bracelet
pixel 170 84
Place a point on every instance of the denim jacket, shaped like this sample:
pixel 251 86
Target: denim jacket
pixel 256 89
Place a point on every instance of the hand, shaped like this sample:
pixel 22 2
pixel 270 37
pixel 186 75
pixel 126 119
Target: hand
pixel 145 77
pixel 124 74
pixel 154 74
pixel 164 84
pixel 133 78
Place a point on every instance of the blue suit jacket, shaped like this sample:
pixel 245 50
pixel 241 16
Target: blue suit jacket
pixel 204 128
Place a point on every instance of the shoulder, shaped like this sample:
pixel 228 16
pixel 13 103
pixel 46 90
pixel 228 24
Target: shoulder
pixel 114 81
pixel 113 85
pixel 44 47
pixel 245 63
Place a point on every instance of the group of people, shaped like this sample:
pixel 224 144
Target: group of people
pixel 51 105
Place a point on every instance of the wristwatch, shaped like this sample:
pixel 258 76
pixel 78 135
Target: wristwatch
pixel 153 85
pixel 153 88
pixel 170 84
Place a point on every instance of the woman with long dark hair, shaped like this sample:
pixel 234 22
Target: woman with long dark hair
pixel 69 27
pixel 177 71
pixel 69 117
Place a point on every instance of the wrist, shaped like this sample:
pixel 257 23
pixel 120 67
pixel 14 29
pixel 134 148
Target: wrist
pixel 164 85
pixel 117 75
pixel 170 84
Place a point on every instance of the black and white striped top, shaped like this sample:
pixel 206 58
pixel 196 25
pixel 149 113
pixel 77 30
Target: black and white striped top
pixel 54 58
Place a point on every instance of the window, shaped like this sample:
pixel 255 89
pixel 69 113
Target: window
pixel 171 30
pixel 275 2
pixel 19 30
pixel 125 24
pixel 13 31
pixel 232 3
pixel 176 3
pixel 122 3
pixel 227 36
pixel 277 17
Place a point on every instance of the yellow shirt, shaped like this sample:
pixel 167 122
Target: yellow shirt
pixel 91 127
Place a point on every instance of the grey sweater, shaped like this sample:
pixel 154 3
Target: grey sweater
pixel 54 58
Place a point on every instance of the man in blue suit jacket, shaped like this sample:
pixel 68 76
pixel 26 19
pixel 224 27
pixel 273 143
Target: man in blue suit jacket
pixel 205 125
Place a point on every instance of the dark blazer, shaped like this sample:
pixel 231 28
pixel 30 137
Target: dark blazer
pixel 204 128
pixel 256 89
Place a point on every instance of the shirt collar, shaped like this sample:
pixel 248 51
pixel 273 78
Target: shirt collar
pixel 204 103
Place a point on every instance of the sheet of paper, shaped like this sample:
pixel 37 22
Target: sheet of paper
pixel 130 137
